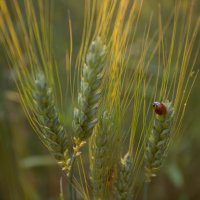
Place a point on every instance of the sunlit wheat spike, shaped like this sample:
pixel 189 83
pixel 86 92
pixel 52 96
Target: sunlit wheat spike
pixel 124 183
pixel 90 92
pixel 99 163
pixel 158 141
pixel 52 132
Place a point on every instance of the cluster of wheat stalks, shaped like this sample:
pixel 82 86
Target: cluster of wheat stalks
pixel 117 141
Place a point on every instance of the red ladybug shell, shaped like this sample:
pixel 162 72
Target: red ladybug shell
pixel 159 108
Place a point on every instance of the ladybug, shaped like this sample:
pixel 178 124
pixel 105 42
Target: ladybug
pixel 159 108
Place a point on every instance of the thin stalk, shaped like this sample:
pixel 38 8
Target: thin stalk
pixel 72 192
pixel 146 189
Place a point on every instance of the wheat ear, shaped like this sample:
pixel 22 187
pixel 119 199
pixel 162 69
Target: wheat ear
pixel 52 132
pixel 158 141
pixel 99 165
pixel 124 182
pixel 90 93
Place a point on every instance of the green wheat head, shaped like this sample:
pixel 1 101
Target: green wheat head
pixel 100 168
pixel 124 183
pixel 85 115
pixel 157 144
pixel 52 131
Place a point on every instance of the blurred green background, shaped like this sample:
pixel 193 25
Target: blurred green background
pixel 26 169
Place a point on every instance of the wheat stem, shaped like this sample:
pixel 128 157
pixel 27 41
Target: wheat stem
pixel 146 189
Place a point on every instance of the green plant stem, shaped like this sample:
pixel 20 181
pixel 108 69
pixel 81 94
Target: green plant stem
pixel 61 190
pixel 72 192
pixel 146 189
pixel 70 173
